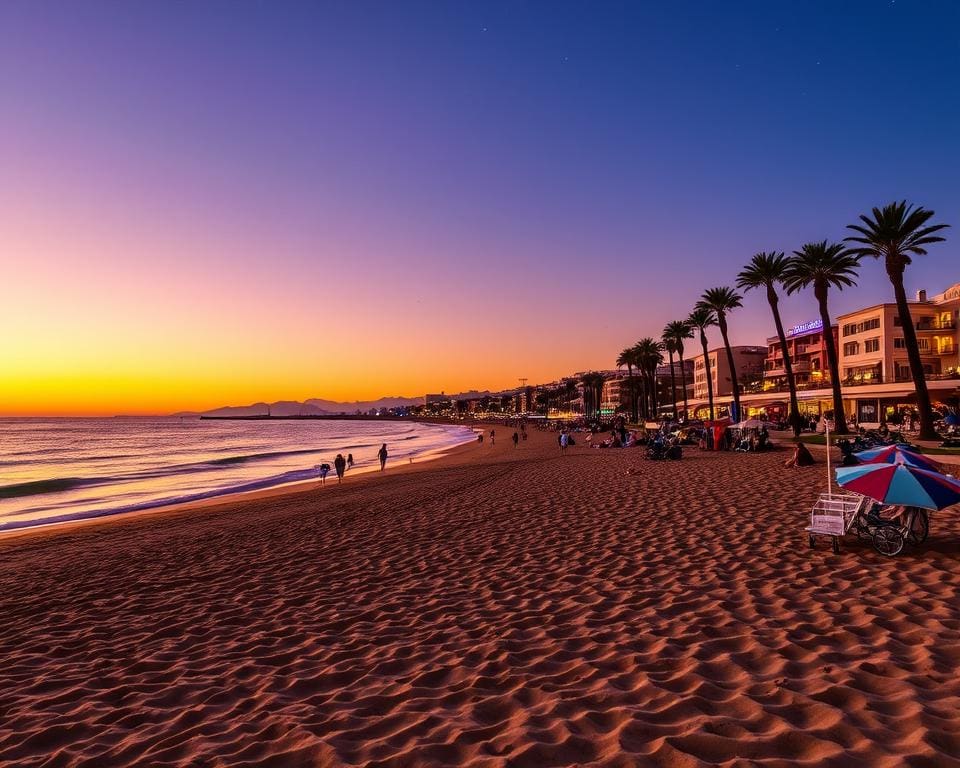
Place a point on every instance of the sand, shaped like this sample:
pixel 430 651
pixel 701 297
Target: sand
pixel 498 607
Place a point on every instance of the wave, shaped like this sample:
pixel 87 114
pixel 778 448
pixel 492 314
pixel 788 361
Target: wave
pixel 50 485
pixel 293 476
pixel 60 484
pixel 47 501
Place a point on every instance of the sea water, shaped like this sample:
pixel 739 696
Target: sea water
pixel 59 470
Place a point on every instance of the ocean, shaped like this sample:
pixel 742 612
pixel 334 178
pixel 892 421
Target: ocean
pixel 59 470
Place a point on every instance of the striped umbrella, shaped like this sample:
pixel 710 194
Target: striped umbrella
pixel 900 484
pixel 896 454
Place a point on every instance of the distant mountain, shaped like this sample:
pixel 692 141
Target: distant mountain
pixel 318 407
pixel 331 406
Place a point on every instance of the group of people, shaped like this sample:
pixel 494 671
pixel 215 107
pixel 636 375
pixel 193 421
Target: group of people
pixel 516 437
pixel 341 465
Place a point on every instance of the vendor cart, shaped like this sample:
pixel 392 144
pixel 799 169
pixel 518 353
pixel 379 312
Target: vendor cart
pixel 833 515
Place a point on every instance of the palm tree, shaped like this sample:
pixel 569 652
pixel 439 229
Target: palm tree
pixel 649 357
pixel 570 390
pixel 629 359
pixel 822 265
pixel 702 318
pixel 592 393
pixel 678 330
pixel 671 346
pixel 766 270
pixel 543 399
pixel 894 233
pixel 721 301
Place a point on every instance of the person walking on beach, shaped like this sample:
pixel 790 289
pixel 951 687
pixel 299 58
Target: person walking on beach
pixel 516 439
pixel 382 455
pixel 480 438
pixel 340 465
pixel 564 441
pixel 493 437
pixel 349 461
pixel 324 470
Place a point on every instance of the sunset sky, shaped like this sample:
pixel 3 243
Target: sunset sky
pixel 213 203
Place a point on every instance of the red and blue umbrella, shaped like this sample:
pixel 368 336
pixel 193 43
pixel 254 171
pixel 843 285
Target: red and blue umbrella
pixel 896 454
pixel 901 484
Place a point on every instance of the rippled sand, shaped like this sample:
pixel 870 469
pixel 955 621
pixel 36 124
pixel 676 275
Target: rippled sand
pixel 501 607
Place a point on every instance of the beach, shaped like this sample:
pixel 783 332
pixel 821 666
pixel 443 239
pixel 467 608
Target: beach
pixel 498 606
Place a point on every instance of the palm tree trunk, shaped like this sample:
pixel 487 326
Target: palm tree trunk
pixel 673 384
pixel 787 363
pixel 683 382
pixel 633 397
pixel 839 417
pixel 927 430
pixel 722 322
pixel 706 368
pixel 655 400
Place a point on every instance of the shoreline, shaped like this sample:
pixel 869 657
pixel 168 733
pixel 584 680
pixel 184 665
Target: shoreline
pixel 231 498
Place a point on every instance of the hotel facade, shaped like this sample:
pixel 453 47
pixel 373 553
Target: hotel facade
pixel 875 374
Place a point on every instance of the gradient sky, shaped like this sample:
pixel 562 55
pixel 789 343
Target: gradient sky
pixel 223 202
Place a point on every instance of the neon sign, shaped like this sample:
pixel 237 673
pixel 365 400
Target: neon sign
pixel 813 325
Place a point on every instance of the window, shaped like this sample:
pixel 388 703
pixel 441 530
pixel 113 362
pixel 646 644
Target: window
pixel 899 343
pixel 924 344
pixel 871 345
pixel 867 325
pixel 851 348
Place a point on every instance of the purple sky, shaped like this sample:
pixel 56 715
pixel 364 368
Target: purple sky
pixel 336 199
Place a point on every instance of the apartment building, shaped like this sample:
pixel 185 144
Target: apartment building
pixel 807 347
pixel 872 347
pixel 748 361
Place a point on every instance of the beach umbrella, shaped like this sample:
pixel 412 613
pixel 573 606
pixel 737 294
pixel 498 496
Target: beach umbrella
pixel 900 484
pixel 896 454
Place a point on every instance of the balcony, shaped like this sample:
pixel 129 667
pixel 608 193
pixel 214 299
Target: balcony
pixel 904 376
pixel 935 324
pixel 799 366
pixel 757 388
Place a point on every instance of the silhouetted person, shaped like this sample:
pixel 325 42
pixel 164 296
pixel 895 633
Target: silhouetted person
pixel 382 455
pixel 349 461
pixel 516 439
pixel 480 438
pixel 801 457
pixel 493 437
pixel 324 470
pixel 340 465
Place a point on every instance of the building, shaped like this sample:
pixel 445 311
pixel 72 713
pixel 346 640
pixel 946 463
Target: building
pixel 666 383
pixel 874 369
pixel 749 364
pixel 872 348
pixel 807 346
pixel 436 399
pixel 615 396
pixel 875 377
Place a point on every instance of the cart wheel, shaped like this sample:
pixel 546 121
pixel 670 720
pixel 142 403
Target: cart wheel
pixel 888 541
pixel 920 528
pixel 863 529
pixel 836 545
pixel 813 541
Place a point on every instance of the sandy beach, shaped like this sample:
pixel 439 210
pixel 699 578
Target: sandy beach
pixel 496 607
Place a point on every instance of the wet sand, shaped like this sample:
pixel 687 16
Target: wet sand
pixel 497 607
